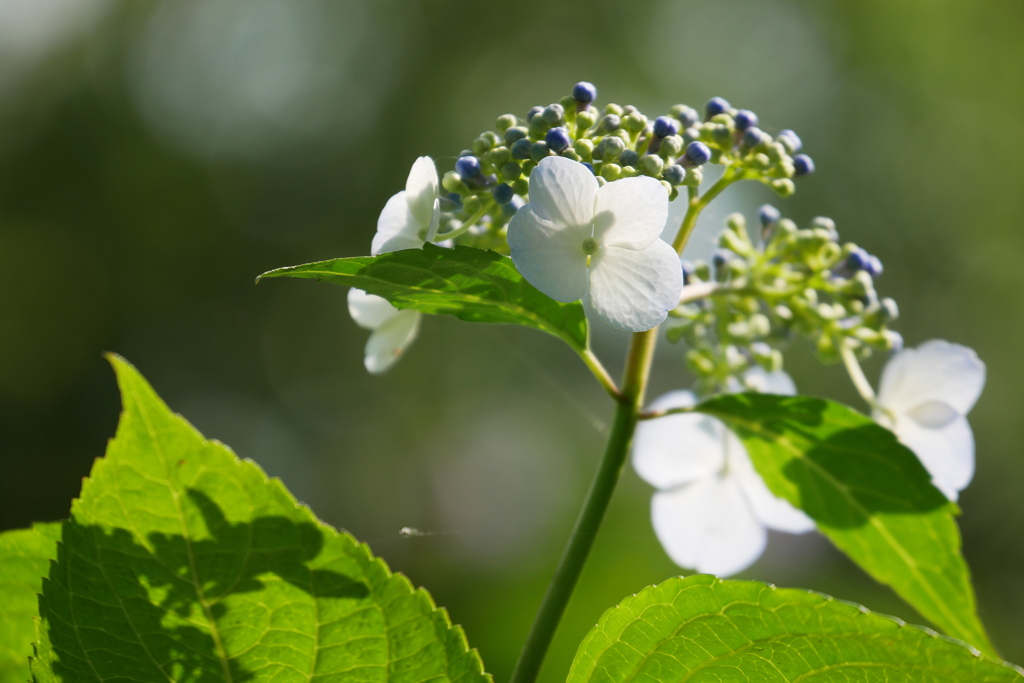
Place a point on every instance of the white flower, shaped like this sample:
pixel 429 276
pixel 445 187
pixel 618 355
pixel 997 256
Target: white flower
pixel 711 507
pixel 411 216
pixel 925 394
pixel 409 219
pixel 392 329
pixel 576 237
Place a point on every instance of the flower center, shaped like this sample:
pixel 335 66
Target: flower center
pixel 590 246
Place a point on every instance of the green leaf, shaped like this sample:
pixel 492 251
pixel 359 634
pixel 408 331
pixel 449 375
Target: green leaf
pixel 703 629
pixel 183 563
pixel 25 556
pixel 868 493
pixel 471 284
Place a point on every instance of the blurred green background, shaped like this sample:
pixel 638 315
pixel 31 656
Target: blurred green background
pixel 156 157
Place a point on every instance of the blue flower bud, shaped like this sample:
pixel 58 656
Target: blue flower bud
pixel 688 271
pixel 590 167
pixel 716 106
pixel 584 92
pixel 697 153
pixel 802 165
pixel 745 119
pixel 455 197
pixel 664 126
pixel 857 259
pixel 768 215
pixel 874 266
pixel 539 150
pixel 533 112
pixel 503 193
pixel 515 133
pixel 558 139
pixel 610 123
pixel 790 140
pixel 685 115
pixel 675 174
pixel 720 257
pixel 512 206
pixel 553 113
pixel 521 148
pixel 754 137
pixel 629 157
pixel 468 167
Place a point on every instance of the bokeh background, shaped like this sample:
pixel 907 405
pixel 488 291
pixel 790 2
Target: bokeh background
pixel 155 157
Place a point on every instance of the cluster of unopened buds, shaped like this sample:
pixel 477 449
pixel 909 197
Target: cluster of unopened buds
pixel 746 304
pixel 578 197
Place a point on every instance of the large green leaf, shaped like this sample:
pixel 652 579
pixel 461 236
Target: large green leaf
pixel 471 284
pixel 702 629
pixel 868 493
pixel 25 556
pixel 183 563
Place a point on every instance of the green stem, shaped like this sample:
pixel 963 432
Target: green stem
pixel 470 222
pixel 634 383
pixel 697 204
pixel 860 381
pixel 630 402
pixel 601 374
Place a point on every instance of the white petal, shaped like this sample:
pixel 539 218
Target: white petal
pixel 630 212
pixel 935 371
pixel 770 510
pixel 765 382
pixel 390 340
pixel 549 255
pixel 947 453
pixel 676 449
pixel 396 228
pixel 708 526
pixel 369 310
pixel 421 191
pixel 633 289
pixel 563 191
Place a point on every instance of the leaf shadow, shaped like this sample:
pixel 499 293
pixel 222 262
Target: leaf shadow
pixel 118 608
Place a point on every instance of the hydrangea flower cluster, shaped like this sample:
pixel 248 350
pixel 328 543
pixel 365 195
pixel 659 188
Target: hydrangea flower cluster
pixel 758 295
pixel 491 179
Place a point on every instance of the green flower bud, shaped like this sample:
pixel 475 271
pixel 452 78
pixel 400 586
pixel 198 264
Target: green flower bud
pixel 691 134
pixel 736 222
pixel 585 119
pixel 694 177
pixel 481 146
pixel 668 187
pixel 721 135
pixel 493 138
pixel 611 172
pixel 613 109
pixel 539 150
pixel 568 104
pixel 498 156
pixel 571 154
pixel 453 183
pixel 652 165
pixel 613 146
pixel 700 362
pixel 538 127
pixel 826 224
pixel 827 351
pixel 890 311
pixel 671 147
pixel 510 171
pixel 702 271
pixel 739 330
pixel 584 147
pixel 471 204
pixel 505 121
pixel 783 187
pixel 783 312
pixel 528 166
pixel 521 187
pixel 635 122
pixel 673 191
pixel 601 182
pixel 830 253
pixel 628 172
pixel 515 133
